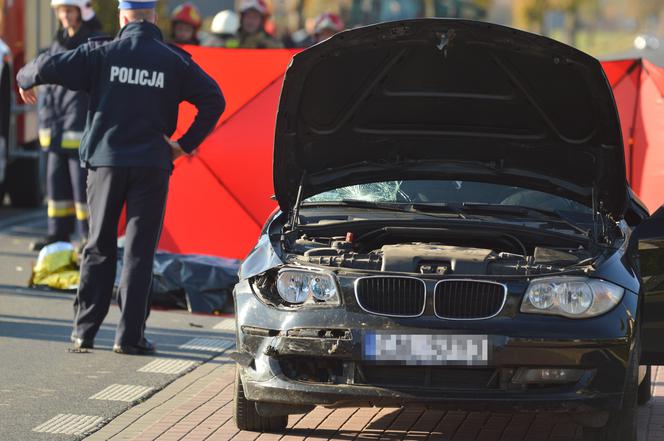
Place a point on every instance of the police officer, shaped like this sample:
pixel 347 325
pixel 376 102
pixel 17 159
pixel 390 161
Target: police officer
pixel 61 123
pixel 136 83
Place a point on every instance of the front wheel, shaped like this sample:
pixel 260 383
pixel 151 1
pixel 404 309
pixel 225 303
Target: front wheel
pixel 245 415
pixel 622 425
pixel 645 388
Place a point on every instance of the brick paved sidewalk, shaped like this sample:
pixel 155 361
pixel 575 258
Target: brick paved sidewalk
pixel 198 406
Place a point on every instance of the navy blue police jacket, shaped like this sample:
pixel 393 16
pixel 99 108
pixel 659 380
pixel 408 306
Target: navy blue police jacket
pixel 62 112
pixel 136 83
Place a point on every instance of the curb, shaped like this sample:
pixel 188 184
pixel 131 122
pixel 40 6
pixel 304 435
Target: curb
pixel 135 420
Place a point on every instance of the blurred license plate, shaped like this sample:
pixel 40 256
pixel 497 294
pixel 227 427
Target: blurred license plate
pixel 426 349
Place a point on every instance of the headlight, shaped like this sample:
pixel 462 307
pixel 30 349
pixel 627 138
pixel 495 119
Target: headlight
pixel 572 297
pixel 298 287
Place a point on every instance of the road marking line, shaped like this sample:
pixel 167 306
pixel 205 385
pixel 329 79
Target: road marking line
pixel 208 344
pixel 225 325
pixel 168 366
pixel 70 424
pixel 122 392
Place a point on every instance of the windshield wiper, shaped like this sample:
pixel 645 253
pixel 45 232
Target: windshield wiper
pixel 520 210
pixel 388 206
pixel 460 210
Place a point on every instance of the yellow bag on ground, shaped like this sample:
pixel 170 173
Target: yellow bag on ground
pixel 57 267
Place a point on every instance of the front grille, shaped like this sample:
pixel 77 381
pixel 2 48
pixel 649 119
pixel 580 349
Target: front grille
pixel 430 377
pixel 397 296
pixel 468 299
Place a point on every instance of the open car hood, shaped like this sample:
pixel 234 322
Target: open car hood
pixel 449 99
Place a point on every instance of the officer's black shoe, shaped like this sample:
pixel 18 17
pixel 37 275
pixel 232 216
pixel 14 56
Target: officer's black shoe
pixel 81 343
pixel 144 347
pixel 45 241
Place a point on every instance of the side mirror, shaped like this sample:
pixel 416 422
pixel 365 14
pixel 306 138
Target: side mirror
pixel 652 227
pixel 637 211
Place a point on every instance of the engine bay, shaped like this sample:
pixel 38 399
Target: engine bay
pixel 492 255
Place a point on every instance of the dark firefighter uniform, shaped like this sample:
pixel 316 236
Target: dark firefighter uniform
pixel 61 123
pixel 136 83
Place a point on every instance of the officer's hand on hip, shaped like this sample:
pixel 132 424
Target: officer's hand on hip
pixel 176 150
pixel 29 96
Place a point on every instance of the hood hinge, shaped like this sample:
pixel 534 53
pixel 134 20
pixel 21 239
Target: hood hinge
pixel 599 212
pixel 295 213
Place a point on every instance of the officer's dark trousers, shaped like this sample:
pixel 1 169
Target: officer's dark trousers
pixel 66 195
pixel 144 191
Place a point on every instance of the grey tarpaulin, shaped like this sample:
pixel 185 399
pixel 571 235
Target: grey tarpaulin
pixel 198 283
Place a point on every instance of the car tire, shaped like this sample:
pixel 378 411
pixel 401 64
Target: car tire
pixel 622 425
pixel 246 417
pixel 645 388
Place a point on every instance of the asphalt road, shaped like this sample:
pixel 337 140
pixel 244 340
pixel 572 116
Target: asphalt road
pixel 40 378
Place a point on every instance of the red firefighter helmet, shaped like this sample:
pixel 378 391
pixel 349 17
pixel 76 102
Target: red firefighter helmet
pixel 259 5
pixel 187 13
pixel 328 20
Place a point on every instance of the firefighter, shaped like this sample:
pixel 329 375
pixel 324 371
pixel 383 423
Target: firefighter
pixel 136 83
pixel 327 24
pixel 61 123
pixel 224 28
pixel 253 16
pixel 185 23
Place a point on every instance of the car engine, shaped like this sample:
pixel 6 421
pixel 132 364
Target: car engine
pixel 432 257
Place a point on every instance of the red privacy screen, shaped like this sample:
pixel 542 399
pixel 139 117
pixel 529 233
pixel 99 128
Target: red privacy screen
pixel 220 198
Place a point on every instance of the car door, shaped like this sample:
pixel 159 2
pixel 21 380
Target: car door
pixel 650 236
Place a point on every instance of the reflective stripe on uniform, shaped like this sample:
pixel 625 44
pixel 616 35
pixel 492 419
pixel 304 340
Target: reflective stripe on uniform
pixel 82 212
pixel 71 140
pixel 45 138
pixel 61 208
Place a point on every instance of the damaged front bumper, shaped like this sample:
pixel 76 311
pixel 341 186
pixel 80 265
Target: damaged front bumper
pixel 315 357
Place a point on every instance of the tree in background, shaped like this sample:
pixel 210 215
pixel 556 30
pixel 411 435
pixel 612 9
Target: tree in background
pixel 646 12
pixel 532 15
pixel 107 12
pixel 471 9
pixel 577 12
pixel 362 12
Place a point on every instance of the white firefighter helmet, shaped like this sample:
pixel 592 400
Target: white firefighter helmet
pixel 225 23
pixel 85 6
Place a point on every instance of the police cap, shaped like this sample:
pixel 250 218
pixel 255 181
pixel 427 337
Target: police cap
pixel 137 4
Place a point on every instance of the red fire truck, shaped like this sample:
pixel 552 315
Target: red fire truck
pixel 26 26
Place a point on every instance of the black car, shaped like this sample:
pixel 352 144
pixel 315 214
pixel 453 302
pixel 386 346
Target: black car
pixel 455 231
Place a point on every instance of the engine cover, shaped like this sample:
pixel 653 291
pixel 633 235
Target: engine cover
pixel 428 258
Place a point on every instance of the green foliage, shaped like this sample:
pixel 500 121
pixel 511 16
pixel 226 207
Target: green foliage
pixel 107 12
pixel 472 9
pixel 576 11
pixel 643 10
